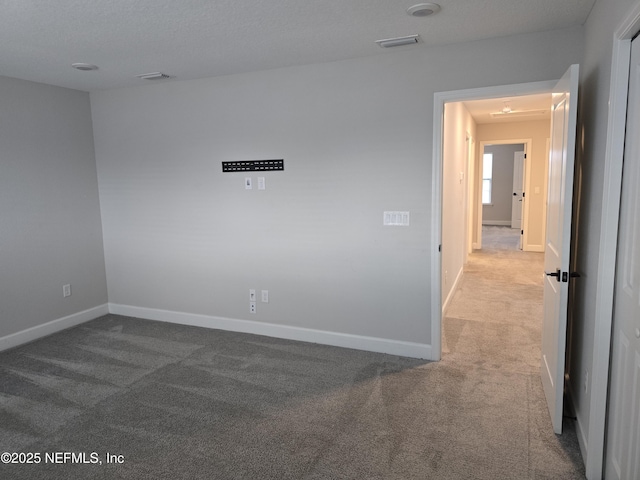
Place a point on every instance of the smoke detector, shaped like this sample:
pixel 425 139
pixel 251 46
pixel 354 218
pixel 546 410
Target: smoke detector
pixel 85 67
pixel 423 9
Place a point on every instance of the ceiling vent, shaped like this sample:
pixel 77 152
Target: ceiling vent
pixel 153 76
pixel 398 41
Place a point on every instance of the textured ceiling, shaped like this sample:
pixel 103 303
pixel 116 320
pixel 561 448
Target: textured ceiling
pixel 187 39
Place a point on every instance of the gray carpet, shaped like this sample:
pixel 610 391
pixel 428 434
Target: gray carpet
pixel 184 402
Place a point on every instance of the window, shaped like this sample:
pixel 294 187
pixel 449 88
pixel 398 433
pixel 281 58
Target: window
pixel 487 171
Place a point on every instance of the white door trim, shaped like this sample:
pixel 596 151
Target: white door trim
pixel 439 100
pixel 470 172
pixel 614 153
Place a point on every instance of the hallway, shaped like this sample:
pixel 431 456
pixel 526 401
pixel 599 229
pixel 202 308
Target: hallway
pixel 492 333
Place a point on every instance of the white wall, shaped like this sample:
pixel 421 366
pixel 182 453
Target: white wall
pixel 595 84
pixel 499 212
pixel 50 231
pixel 459 128
pixel 181 236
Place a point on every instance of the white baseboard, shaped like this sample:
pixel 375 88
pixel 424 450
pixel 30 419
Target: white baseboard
pixel 453 290
pixel 534 248
pixel 499 223
pixel 582 439
pixel 358 342
pixel 581 433
pixel 39 331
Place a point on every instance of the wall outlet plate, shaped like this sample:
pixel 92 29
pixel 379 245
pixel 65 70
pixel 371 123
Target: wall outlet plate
pixel 396 219
pixel 265 296
pixel 66 290
pixel 252 307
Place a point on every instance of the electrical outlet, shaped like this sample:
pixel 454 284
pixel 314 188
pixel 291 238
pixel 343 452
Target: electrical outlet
pixel 66 290
pixel 261 183
pixel 252 307
pixel 265 296
pixel 252 295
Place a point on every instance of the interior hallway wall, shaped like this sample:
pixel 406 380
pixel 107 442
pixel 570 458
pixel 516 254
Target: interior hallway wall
pixel 459 128
pixel 50 230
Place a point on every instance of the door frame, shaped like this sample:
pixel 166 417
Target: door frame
pixel 521 185
pixel 528 146
pixel 439 101
pixel 471 172
pixel 594 450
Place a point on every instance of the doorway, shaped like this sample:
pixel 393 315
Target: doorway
pixel 561 158
pixel 472 191
pixel 473 195
pixel 563 138
pixel 503 165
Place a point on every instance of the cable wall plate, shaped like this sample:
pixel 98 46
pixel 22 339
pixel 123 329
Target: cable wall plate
pixel 253 166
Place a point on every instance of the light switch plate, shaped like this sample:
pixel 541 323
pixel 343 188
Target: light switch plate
pixel 396 219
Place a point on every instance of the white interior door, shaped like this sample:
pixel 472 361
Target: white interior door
pixel 558 241
pixel 623 436
pixel 518 190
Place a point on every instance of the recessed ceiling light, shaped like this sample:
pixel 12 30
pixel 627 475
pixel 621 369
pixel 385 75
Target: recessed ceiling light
pixel 423 9
pixel 85 67
pixel 396 42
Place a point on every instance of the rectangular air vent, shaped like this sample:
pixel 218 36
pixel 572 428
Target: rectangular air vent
pixel 153 76
pixel 398 41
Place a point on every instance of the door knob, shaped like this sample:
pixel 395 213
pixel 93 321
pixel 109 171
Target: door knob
pixel 554 274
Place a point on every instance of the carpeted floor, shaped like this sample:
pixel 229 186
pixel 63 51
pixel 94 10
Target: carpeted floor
pixel 184 402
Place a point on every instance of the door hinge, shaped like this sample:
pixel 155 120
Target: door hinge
pixel 440 248
pixel 565 277
pixel 523 194
pixel 521 232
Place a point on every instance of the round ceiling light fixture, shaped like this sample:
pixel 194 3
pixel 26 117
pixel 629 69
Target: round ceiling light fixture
pixel 423 9
pixel 85 67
